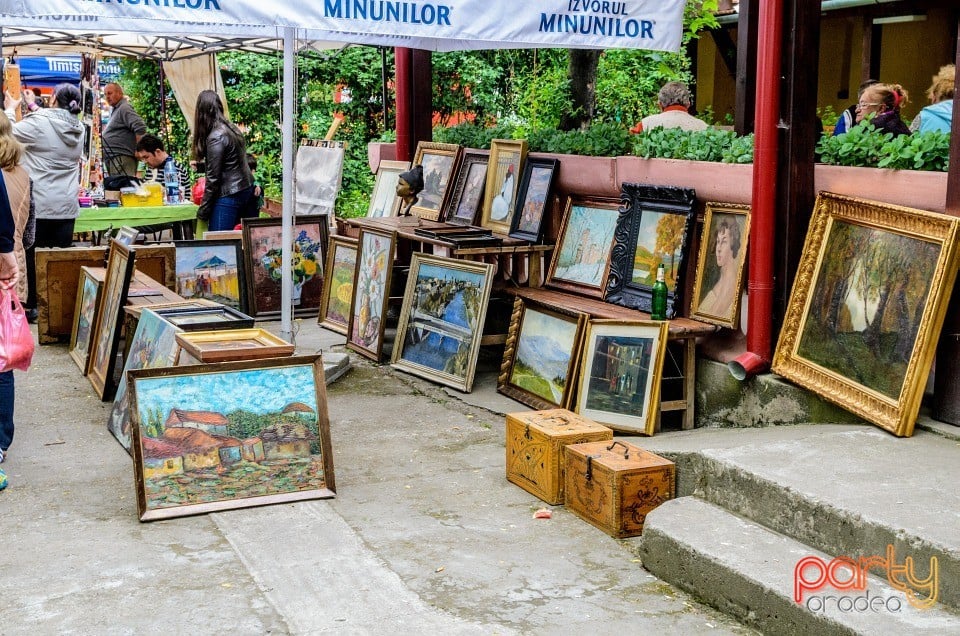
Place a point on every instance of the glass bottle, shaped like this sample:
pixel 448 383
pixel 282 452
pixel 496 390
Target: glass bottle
pixel 658 305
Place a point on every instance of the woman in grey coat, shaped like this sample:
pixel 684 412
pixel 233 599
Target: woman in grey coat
pixel 53 143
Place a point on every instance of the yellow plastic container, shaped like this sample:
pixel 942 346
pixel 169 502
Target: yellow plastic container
pixel 154 196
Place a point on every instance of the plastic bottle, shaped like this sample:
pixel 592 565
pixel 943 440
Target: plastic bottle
pixel 171 182
pixel 658 305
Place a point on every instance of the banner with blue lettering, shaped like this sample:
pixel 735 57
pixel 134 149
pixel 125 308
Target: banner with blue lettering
pixel 439 25
pixel 50 71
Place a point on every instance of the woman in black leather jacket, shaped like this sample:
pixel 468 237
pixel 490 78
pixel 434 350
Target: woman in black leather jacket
pixel 220 147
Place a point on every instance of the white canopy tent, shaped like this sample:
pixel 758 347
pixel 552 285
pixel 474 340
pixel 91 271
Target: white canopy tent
pixel 178 28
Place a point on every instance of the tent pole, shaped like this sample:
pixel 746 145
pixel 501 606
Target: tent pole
pixel 286 149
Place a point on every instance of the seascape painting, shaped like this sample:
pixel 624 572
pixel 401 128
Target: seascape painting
pixel 660 239
pixel 442 318
pixel 543 363
pixel 338 284
pixel 867 304
pixel 370 290
pixel 582 260
pixel 154 345
pixel 231 435
pixel 212 270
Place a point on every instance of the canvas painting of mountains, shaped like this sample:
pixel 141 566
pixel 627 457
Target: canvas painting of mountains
pixel 541 355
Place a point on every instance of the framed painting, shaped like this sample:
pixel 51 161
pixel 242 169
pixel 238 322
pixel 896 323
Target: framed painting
pixel 620 374
pixel 441 322
pixel 541 354
pixel 212 269
pixel 105 337
pixel 231 435
pixel 371 293
pixel 867 305
pixel 384 200
pixel 338 284
pixel 233 344
pixel 261 255
pixel 463 205
pixel 536 186
pixel 718 283
pixel 213 235
pixel 654 227
pixel 153 345
pixel 127 235
pixel 206 318
pixel 439 163
pixel 503 180
pixel 581 261
pixel 88 294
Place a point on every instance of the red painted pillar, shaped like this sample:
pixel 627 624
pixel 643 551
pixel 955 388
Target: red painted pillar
pixel 403 58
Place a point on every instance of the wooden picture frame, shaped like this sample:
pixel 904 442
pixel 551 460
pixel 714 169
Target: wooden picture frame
pixel 212 269
pixel 718 284
pixel 464 204
pixel 620 374
pixel 206 319
pixel 543 346
pixel 127 236
pixel 654 227
pixel 58 278
pixel 261 256
pixel 581 260
pixel 441 322
pixel 84 314
pixel 867 343
pixel 153 344
pixel 105 337
pixel 190 455
pixel 338 284
pixel 439 163
pixel 384 200
pixel 371 293
pixel 213 235
pixel 533 200
pixel 233 344
pixel 504 169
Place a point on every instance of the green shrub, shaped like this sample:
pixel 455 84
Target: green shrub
pixel 712 144
pixel 868 147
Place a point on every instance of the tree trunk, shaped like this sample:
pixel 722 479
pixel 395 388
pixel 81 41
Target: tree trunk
pixel 582 71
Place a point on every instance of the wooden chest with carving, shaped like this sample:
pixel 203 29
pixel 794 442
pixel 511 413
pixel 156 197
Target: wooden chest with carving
pixel 613 485
pixel 535 441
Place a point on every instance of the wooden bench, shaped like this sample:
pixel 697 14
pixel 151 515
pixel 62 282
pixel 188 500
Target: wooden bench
pixel 684 330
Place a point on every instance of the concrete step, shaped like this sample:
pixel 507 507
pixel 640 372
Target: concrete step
pixel 844 490
pixel 747 571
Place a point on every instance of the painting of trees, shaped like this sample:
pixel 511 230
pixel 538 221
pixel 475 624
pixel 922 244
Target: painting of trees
pixel 670 229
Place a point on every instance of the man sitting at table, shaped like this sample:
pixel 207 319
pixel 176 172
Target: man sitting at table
pixel 150 151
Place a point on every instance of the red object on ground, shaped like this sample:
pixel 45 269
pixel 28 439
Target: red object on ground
pixel 198 189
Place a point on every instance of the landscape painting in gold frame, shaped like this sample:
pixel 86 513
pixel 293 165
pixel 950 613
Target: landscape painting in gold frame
pixel 504 169
pixel 233 344
pixel 868 302
pixel 620 373
pixel 439 163
pixel 723 252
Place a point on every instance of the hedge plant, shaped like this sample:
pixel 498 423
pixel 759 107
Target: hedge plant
pixel 866 146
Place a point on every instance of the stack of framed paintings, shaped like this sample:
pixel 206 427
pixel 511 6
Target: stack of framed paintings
pixel 654 227
pixel 232 344
pixel 262 245
pixel 466 197
pixel 209 437
pixel 620 374
pixel 867 306
pixel 441 322
pixel 504 169
pixel 338 284
pixel 212 269
pixel 541 353
pixel 439 163
pixel 723 249
pixel 105 336
pixel 384 200
pixel 206 318
pixel 88 295
pixel 371 293
pixel 581 261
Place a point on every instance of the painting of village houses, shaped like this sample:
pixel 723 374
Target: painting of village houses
pixel 229 436
pixel 211 269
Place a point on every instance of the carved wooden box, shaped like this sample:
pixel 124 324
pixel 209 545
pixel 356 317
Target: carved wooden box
pixel 614 485
pixel 535 441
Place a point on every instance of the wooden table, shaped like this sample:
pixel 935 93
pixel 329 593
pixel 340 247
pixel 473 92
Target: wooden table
pixel 684 330
pixel 515 260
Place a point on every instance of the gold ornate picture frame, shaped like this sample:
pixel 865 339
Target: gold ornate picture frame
pixel 504 170
pixel 439 163
pixel 718 285
pixel 867 306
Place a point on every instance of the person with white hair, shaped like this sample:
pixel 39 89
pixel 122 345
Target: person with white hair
pixel 675 100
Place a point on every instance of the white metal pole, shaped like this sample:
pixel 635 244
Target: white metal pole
pixel 286 148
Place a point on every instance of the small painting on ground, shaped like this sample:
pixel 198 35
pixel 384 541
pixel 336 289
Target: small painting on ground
pixel 231 435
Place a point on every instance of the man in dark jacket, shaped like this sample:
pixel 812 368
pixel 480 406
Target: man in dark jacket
pixel 121 134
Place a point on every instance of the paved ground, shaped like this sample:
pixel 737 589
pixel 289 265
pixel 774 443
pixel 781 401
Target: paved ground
pixel 425 534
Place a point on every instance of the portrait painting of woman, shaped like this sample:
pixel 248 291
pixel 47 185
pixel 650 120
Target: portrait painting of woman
pixel 719 272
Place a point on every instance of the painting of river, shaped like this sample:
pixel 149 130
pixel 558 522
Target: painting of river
pixel 442 318
pixel 230 435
